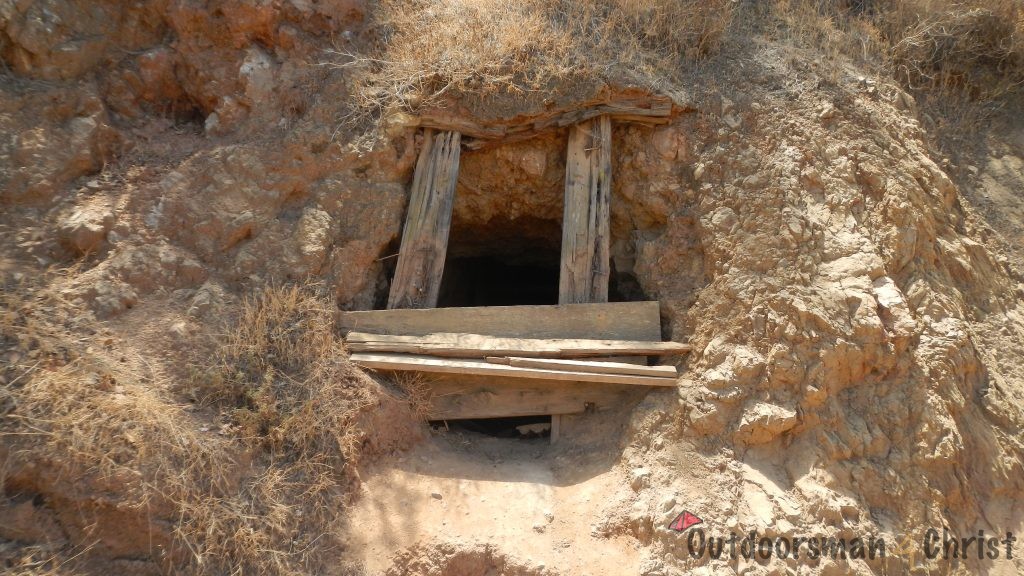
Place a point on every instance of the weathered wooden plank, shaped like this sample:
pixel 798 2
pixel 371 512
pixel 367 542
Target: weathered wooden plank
pixel 585 366
pixel 504 403
pixel 618 320
pixel 458 345
pixel 424 246
pixel 432 364
pixel 585 266
pixel 457 396
pixel 645 120
pixel 629 106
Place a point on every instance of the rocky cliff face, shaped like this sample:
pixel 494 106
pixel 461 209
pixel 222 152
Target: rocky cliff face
pixel 857 328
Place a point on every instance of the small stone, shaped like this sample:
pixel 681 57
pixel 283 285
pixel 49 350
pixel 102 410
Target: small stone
pixel 763 422
pixel 85 229
pixel 539 528
pixel 652 567
pixel 536 429
pixel 549 516
pixel 179 329
pixel 668 504
pixel 436 495
pixel 640 478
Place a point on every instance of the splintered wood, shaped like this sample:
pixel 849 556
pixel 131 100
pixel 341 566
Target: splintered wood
pixel 425 235
pixel 585 224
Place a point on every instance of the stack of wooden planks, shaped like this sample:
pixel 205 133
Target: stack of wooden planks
pixel 541 359
pixel 495 362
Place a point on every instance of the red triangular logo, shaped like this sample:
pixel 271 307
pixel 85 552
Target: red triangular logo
pixel 683 521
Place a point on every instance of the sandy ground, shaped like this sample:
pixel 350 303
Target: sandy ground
pixel 473 489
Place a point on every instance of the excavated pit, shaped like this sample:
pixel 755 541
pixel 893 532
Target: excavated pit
pixel 516 428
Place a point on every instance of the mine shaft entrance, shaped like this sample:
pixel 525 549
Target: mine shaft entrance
pixel 511 275
pixel 489 281
pixel 505 263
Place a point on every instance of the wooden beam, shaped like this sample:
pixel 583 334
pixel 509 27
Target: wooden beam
pixel 556 427
pixel 459 345
pixel 457 396
pixel 585 267
pixel 431 364
pixel 585 366
pixel 618 320
pixel 504 402
pixel 631 106
pixel 421 257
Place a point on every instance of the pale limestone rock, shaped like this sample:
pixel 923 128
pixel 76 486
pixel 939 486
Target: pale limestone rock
pixel 764 422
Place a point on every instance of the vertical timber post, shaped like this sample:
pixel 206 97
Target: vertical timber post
pixel 585 267
pixel 421 257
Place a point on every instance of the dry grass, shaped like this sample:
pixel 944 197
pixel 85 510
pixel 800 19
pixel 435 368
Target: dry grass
pixel 958 57
pixel 263 496
pixel 976 46
pixel 966 48
pixel 277 366
pixel 416 391
pixel 432 49
pixel 962 60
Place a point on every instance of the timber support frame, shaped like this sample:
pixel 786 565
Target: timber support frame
pixel 417 280
pixel 584 274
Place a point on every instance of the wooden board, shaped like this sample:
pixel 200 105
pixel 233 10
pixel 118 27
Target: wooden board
pixel 432 364
pixel 421 257
pixel 456 397
pixel 585 264
pixel 556 427
pixel 635 106
pixel 456 345
pixel 618 320
pixel 586 366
